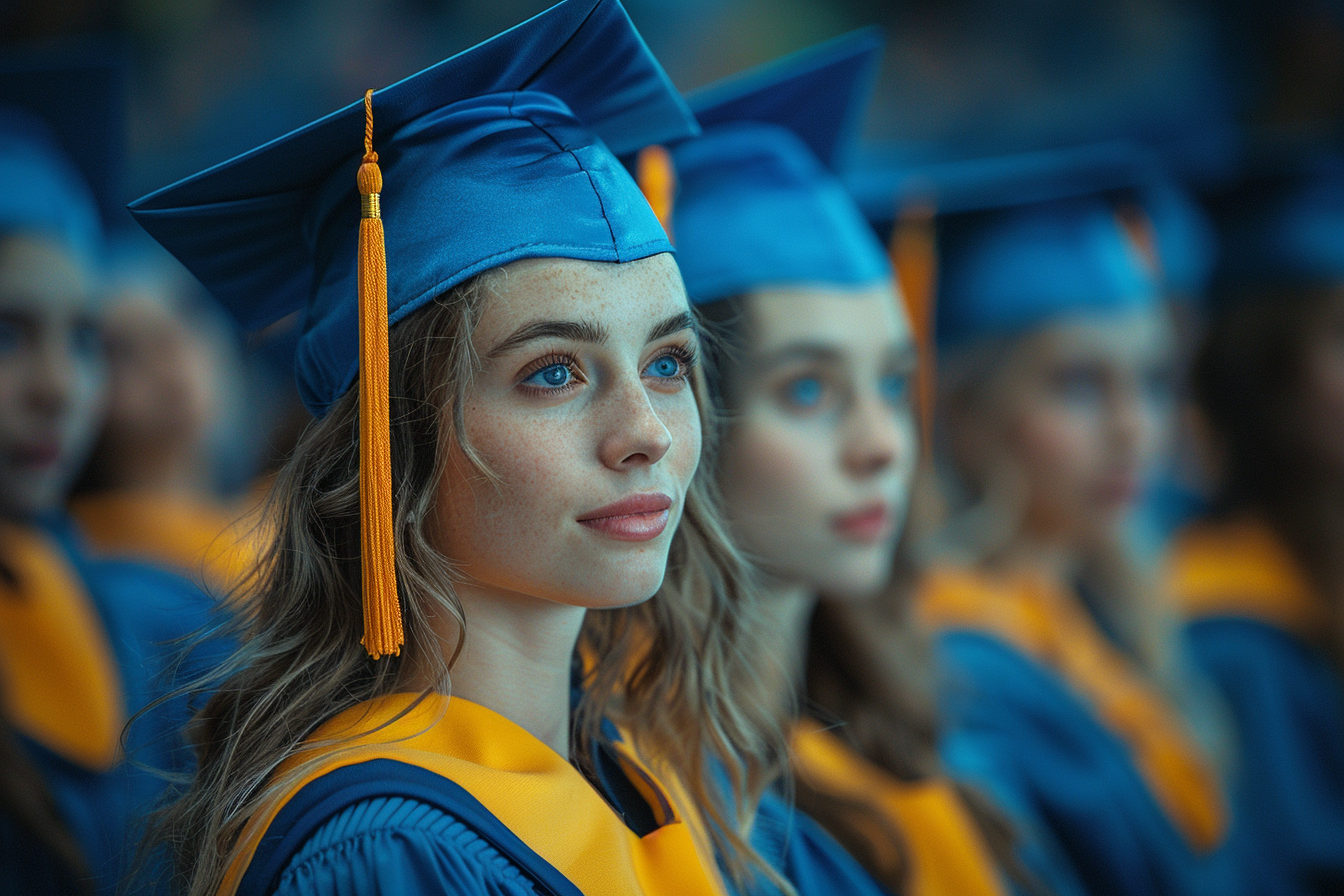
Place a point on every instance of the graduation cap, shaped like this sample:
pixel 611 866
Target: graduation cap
pixel 500 153
pixel 1023 239
pixel 62 141
pixel 1283 222
pixel 759 202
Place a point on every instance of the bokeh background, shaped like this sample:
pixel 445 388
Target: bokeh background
pixel 1196 78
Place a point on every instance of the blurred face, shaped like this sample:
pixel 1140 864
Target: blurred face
pixel 583 409
pixel 817 462
pixel 51 373
pixel 1322 388
pixel 162 381
pixel 1078 414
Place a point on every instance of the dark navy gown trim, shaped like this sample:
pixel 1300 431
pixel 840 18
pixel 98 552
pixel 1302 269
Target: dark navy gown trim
pixel 320 800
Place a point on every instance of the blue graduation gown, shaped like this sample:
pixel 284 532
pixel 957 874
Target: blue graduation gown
pixel 1046 754
pixel 808 857
pixel 445 796
pixel 1253 628
pixel 142 612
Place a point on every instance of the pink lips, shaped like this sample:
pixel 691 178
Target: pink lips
pixel 868 525
pixel 637 518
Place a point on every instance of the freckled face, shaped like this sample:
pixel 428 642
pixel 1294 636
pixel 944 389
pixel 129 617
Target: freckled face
pixel 584 411
pixel 51 373
pixel 817 461
pixel 1082 411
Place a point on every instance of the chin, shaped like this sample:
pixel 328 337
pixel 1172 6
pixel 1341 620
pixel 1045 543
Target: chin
pixel 857 582
pixel 609 590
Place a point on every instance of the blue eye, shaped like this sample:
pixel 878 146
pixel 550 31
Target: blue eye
pixel 805 392
pixel 552 376
pixel 665 367
pixel 895 388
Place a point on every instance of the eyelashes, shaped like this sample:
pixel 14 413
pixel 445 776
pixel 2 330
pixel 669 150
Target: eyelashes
pixel 558 373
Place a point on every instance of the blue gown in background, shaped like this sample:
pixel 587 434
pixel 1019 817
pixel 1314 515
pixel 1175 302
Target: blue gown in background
pixel 1254 627
pixel 1044 752
pixel 144 613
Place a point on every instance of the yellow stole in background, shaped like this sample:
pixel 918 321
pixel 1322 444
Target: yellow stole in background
pixel 1040 619
pixel 58 674
pixel 946 854
pixel 1240 568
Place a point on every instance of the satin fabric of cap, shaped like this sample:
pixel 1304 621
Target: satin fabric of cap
pixel 756 209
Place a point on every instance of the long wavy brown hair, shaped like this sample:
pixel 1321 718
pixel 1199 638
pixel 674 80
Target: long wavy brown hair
pixel 674 673
pixel 868 667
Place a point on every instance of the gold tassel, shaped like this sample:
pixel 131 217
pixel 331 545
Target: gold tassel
pixel 914 257
pixel 657 179
pixel 382 614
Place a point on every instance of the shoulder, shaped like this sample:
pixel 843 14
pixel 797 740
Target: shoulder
pixel 799 849
pixel 389 845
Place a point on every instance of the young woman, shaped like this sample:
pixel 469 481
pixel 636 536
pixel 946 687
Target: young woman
pixel 1054 396
pixel 813 361
pixel 539 395
pixel 1262 577
pixel 83 644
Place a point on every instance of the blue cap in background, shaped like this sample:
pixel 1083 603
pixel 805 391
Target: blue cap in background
pixel 1023 239
pixel 502 152
pixel 758 205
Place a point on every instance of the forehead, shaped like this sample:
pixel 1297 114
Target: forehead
pixel 846 320
pixel 40 276
pixel 1131 336
pixel 624 298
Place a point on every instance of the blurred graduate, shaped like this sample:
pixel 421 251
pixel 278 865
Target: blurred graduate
pixel 1261 577
pixel 153 488
pixel 84 644
pixel 1055 652
pixel 502 361
pixel 813 362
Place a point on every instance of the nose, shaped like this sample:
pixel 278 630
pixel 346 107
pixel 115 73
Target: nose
pixel 1131 423
pixel 51 375
pixel 874 437
pixel 635 435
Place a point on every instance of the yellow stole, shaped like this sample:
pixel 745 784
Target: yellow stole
pixel 1044 622
pixel 947 856
pixel 521 781
pixel 59 676
pixel 1240 568
pixel 191 535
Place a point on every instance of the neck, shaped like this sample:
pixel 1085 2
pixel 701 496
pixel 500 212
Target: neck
pixel 163 473
pixel 1047 557
pixel 785 616
pixel 515 660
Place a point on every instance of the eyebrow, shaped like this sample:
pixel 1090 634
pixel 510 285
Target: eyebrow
pixel 674 324
pixel 573 330
pixel 583 331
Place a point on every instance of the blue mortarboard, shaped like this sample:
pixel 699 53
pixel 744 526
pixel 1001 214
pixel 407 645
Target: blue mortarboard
pixel 1283 223
pixel 758 205
pixel 494 155
pixel 62 136
pixel 1022 239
